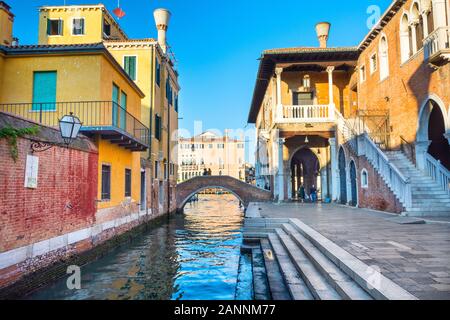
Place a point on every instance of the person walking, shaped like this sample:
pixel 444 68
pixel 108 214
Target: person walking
pixel 301 193
pixel 313 193
pixel 209 172
pixel 205 172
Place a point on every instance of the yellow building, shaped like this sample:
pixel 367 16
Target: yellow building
pixel 220 156
pixel 148 64
pixel 6 24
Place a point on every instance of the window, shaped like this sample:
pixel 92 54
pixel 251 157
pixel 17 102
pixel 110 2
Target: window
pixel 302 99
pixel 384 58
pixel 176 102
pixel 221 146
pixel 364 179
pixel 156 169
pixel 106 182
pixel 373 63
pixel 130 66
pixel 211 146
pixel 158 127
pixel 165 171
pixel 306 82
pixel 362 73
pixel 78 26
pixel 127 182
pixel 44 91
pixel 55 27
pixel 106 29
pixel 405 38
pixel 158 73
pixel 240 146
pixel 169 93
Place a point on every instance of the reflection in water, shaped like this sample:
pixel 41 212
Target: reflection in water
pixel 195 256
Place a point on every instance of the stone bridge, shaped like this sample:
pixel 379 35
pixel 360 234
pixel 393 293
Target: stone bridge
pixel 245 192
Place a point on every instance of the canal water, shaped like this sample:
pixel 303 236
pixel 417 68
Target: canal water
pixel 195 256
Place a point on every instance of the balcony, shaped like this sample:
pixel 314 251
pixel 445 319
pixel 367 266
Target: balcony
pixel 437 47
pixel 305 114
pixel 107 118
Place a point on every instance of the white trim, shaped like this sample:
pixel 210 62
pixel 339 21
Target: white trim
pixel 136 67
pixel 18 255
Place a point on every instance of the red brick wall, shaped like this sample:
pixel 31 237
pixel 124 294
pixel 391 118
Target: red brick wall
pixel 377 196
pixel 63 202
pixel 407 85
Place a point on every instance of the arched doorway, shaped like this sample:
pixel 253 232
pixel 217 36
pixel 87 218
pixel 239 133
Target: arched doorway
pixel 354 184
pixel 432 127
pixel 305 171
pixel 342 177
pixel 439 147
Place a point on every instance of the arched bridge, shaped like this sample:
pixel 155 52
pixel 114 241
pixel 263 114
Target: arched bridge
pixel 245 192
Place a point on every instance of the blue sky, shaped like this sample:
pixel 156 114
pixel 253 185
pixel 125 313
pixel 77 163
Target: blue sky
pixel 217 43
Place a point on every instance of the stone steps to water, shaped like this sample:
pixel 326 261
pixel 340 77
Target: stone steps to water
pixel 313 267
pixel 342 283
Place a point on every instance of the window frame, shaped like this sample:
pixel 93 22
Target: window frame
pixel 135 66
pixel 364 184
pixel 158 127
pixel 103 193
pixel 60 27
pixel 362 73
pixel 373 62
pixel 128 182
pixel 73 27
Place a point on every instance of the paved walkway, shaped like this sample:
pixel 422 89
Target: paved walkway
pixel 415 256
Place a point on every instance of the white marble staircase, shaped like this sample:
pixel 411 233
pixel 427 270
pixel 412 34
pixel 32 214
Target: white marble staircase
pixel 428 198
pixel 311 267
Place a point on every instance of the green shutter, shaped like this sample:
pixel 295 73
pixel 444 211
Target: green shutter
pixel 130 67
pixel 49 27
pixel 44 90
pixel 60 27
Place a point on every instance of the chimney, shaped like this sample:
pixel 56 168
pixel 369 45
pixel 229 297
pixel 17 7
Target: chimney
pixel 162 18
pixel 6 21
pixel 323 29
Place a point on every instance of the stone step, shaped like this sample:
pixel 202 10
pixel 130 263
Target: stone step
pixel 342 283
pixel 358 271
pixel 296 286
pixel 427 196
pixel 317 284
pixel 430 209
pixel 445 213
pixel 255 235
pixel 277 286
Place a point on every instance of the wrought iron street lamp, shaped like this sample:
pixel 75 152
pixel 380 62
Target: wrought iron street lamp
pixel 69 126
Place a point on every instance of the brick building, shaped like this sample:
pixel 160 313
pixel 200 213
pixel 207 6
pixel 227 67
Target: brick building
pixel 368 125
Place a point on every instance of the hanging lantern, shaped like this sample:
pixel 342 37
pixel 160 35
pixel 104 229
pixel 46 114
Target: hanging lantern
pixel 306 140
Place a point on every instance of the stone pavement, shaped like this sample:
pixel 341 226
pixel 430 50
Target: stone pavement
pixel 415 256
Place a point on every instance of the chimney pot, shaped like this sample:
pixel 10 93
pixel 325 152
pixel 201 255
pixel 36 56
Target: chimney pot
pixel 162 19
pixel 323 30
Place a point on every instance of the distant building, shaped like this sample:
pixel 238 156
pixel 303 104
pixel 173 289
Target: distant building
pixel 224 156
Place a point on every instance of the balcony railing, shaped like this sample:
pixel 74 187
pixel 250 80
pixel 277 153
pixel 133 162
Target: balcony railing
pixel 105 117
pixel 437 41
pixel 438 172
pixel 305 114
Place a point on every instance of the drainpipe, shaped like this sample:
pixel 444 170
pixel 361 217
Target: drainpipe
pixel 168 150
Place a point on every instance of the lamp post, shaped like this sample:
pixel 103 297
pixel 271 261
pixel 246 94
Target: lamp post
pixel 69 126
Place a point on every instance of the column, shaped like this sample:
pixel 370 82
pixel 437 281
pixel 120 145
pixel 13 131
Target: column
pixel 331 92
pixel 421 150
pixel 280 176
pixel 278 72
pixel 334 169
pixel 414 35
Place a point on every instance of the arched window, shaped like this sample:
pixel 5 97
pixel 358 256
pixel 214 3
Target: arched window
pixel 405 43
pixel 364 179
pixel 416 27
pixel 384 58
pixel 427 10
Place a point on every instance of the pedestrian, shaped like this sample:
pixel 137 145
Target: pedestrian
pixel 313 193
pixel 301 193
pixel 209 172
pixel 205 172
